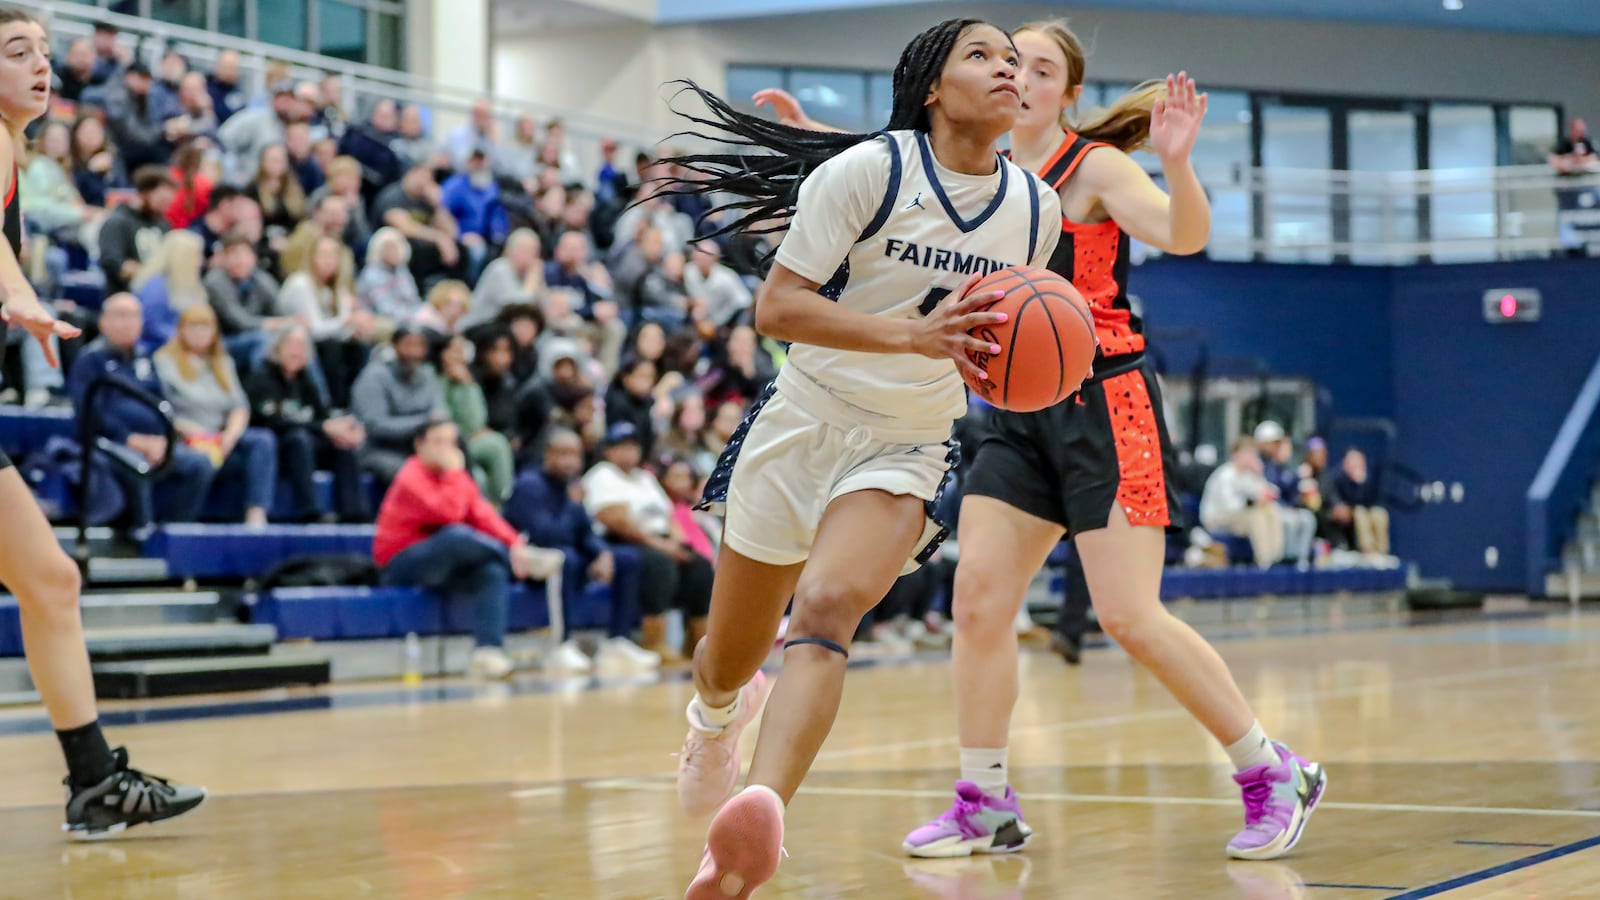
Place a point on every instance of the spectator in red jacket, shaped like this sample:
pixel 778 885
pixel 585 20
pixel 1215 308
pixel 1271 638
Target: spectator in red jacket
pixel 435 530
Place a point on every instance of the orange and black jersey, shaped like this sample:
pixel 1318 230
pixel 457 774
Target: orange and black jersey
pixel 13 216
pixel 1094 257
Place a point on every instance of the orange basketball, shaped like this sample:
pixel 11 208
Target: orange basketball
pixel 1046 343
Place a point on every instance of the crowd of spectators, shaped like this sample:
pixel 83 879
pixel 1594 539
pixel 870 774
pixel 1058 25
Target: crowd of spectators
pixel 317 289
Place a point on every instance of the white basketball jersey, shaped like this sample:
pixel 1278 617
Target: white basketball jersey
pixel 889 231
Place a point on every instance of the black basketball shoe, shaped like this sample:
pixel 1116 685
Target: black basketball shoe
pixel 126 797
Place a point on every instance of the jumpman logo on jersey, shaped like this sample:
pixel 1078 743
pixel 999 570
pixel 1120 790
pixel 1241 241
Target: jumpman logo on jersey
pixel 916 202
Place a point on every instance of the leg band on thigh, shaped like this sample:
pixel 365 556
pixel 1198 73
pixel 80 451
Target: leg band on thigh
pixel 820 642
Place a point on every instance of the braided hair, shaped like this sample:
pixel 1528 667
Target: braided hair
pixel 769 183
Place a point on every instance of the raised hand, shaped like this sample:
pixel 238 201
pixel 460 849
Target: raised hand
pixel 784 104
pixel 1175 122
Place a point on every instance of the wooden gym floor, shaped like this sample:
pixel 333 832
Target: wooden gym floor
pixel 1462 762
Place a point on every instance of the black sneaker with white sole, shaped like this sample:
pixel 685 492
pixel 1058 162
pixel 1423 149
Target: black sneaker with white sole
pixel 126 797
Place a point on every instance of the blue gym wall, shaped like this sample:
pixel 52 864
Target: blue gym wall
pixel 1474 403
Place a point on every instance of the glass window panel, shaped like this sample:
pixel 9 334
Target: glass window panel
pixel 342 30
pixel 880 98
pixel 835 98
pixel 391 41
pixel 1533 213
pixel 744 81
pixel 282 22
pixel 1461 147
pixel 1383 212
pixel 191 13
pixel 231 17
pixel 1534 130
pixel 1222 160
pixel 1299 214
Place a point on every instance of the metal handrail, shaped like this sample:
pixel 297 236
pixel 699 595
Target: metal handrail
pixel 89 438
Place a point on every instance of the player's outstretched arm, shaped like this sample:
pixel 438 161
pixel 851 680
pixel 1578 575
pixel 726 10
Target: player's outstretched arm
pixel 789 308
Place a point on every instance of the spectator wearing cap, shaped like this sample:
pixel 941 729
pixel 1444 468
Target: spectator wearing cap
pixel 1277 457
pixel 142 117
pixel 480 133
pixel 132 232
pixel 246 134
pixel 632 508
pixel 393 397
pixel 546 507
pixel 473 199
pixel 436 531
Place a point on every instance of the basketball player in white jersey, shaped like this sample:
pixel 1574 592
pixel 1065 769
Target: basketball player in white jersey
pixel 829 482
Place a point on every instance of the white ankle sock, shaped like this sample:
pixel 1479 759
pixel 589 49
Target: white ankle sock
pixel 1252 750
pixel 985 768
pixel 709 718
pixel 761 787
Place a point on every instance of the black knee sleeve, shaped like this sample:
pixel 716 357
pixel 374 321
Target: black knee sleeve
pixel 820 642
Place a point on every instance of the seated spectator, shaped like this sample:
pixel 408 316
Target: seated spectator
pixel 631 398
pixel 1355 490
pixel 322 296
pixel 492 359
pixel 720 294
pixel 437 532
pixel 685 440
pixel 744 372
pixel 1238 500
pixel 518 158
pixel 393 397
pixel 192 194
pixel 386 286
pixel 412 145
pixel 220 218
pixel 488 451
pixel 344 182
pixel 683 487
pixel 526 326
pixel 95 165
pixel 330 216
pixel 227 97
pixel 447 304
pixel 142 117
pixel 303 164
pixel 331 116
pixel 588 285
pixel 133 231
pixel 368 145
pixel 477 135
pixel 515 278
pixel 245 299
pixel 211 412
pixel 729 415
pixel 1277 451
pixel 274 187
pixel 76 70
pixel 182 487
pixel 644 289
pixel 412 206
pixel 543 508
pixel 247 134
pixel 196 107
pixel 168 285
pixel 473 199
pixel 50 200
pixel 632 509
pixel 284 401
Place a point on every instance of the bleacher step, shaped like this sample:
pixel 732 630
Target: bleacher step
pixel 117 570
pixel 137 679
pixel 152 642
pixel 152 609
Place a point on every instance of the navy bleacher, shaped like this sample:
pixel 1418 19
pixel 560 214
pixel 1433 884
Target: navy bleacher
pixel 243 551
pixel 360 613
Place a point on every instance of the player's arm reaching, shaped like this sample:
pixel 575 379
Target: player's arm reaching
pixel 18 303
pixel 789 308
pixel 1179 223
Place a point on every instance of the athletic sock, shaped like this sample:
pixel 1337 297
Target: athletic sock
pixel 1252 750
pixel 709 718
pixel 89 757
pixel 985 768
